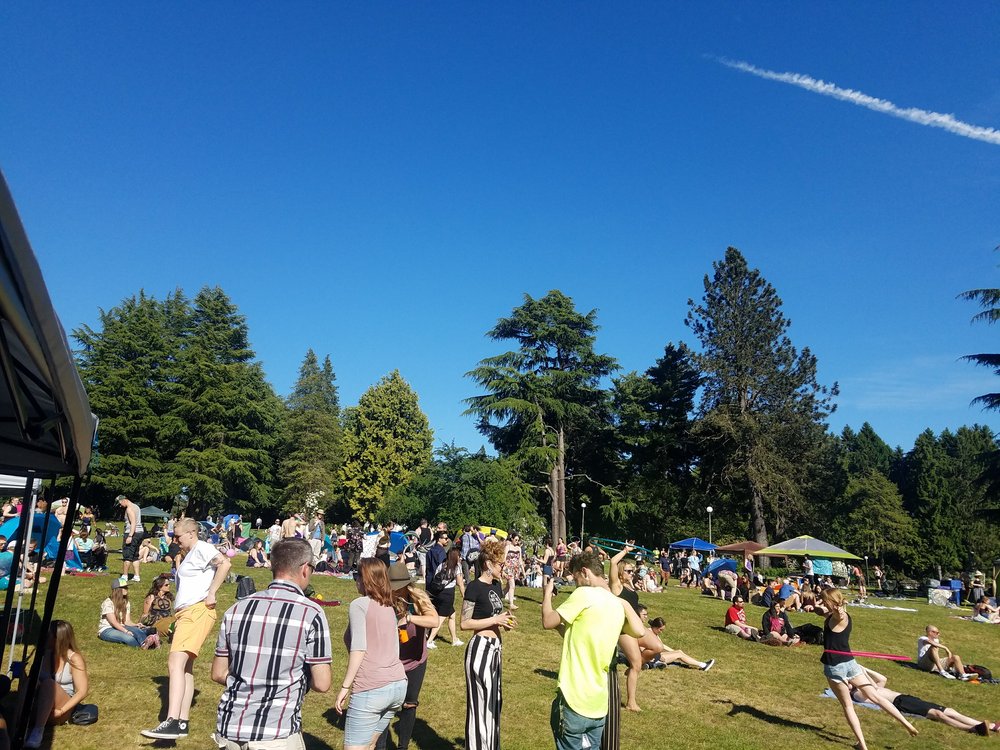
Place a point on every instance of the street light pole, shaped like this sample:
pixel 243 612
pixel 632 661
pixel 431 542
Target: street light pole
pixel 709 509
pixel 583 519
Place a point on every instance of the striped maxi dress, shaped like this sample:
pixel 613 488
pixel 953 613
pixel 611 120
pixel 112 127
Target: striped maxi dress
pixel 483 693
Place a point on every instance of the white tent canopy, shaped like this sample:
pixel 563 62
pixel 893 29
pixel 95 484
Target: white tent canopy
pixel 14 485
pixel 45 419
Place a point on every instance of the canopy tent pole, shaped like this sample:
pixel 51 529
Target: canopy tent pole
pixel 17 740
pixel 27 506
pixel 41 559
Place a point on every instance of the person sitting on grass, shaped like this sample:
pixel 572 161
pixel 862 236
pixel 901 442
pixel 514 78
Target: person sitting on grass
pixel 929 659
pixel 986 612
pixel 910 704
pixel 158 606
pixel 788 595
pixel 776 628
pixel 257 558
pixel 63 683
pixel 116 625
pixel 659 658
pixel 736 621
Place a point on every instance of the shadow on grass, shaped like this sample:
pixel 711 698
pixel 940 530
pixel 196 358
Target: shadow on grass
pixel 424 736
pixel 312 742
pixel 163 688
pixel 547 673
pixel 780 721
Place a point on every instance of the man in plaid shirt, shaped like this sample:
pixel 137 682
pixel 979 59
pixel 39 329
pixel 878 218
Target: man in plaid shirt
pixel 261 707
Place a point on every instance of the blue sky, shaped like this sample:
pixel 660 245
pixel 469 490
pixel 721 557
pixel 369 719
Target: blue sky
pixel 381 182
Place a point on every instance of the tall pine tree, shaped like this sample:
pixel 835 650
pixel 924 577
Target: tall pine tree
pixel 762 409
pixel 312 454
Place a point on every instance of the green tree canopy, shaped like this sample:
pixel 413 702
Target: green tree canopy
pixel 540 396
pixel 387 439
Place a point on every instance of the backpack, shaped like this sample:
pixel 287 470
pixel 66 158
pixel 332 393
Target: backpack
pixel 84 714
pixel 440 579
pixel 983 672
pixel 245 587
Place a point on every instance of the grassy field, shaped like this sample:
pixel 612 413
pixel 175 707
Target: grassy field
pixel 755 697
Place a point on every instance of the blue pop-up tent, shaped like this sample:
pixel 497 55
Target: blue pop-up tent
pixel 723 563
pixel 693 543
pixel 50 546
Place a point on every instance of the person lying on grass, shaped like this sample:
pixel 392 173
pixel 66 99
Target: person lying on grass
pixel 659 657
pixel 910 704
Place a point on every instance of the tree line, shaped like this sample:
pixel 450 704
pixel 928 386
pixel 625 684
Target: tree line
pixel 734 418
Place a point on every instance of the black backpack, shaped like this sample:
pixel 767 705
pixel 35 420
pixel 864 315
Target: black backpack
pixel 245 587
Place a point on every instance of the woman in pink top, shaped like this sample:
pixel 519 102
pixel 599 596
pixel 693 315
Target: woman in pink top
pixel 375 673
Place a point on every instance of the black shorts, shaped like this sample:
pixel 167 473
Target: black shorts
pixel 910 704
pixel 444 602
pixel 130 552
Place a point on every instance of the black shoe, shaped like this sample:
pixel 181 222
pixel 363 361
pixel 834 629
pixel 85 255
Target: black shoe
pixel 169 729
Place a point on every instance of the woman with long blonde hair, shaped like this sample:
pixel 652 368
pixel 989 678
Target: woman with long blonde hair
pixel 116 624
pixel 415 616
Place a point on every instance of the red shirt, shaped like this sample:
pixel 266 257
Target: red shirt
pixel 735 615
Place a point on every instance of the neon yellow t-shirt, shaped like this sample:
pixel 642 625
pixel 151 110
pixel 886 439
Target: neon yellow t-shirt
pixel 594 618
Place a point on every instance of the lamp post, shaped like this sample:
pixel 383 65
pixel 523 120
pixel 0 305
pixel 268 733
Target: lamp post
pixel 583 518
pixel 709 509
pixel 866 569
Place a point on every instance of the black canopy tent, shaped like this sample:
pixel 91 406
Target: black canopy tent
pixel 46 427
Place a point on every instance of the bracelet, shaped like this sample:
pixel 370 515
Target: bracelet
pixel 345 687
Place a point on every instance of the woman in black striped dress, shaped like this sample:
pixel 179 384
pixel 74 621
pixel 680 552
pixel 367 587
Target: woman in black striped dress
pixel 483 613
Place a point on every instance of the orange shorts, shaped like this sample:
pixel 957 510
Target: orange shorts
pixel 191 627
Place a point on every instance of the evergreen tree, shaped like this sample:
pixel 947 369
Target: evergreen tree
pixel 930 499
pixel 763 411
pixel 546 394
pixel 878 525
pixel 866 451
pixel 387 439
pixel 652 425
pixel 128 366
pixel 226 414
pixel 313 436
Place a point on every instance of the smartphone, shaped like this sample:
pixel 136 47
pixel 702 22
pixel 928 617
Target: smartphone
pixel 546 570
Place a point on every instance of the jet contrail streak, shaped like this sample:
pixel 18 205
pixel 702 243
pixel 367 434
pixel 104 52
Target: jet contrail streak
pixel 913 114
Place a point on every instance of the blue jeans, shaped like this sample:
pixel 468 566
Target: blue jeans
pixel 134 637
pixel 573 731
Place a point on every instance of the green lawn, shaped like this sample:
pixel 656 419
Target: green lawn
pixel 755 697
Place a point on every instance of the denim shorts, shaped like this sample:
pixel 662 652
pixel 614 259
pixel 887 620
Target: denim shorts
pixel 843 672
pixel 369 712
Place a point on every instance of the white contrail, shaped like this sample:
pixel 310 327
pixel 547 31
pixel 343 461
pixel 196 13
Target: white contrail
pixel 919 116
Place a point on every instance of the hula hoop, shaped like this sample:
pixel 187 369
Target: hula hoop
pixel 868 655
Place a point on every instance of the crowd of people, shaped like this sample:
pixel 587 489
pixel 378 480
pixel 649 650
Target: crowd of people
pixel 394 623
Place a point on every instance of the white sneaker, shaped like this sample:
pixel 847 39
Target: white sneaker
pixel 458 643
pixel 34 738
pixel 946 675
pixel 431 644
pixel 136 579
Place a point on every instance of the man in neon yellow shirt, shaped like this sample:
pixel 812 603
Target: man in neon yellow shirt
pixel 590 621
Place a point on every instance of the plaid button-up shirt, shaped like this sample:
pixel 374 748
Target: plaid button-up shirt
pixel 271 638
